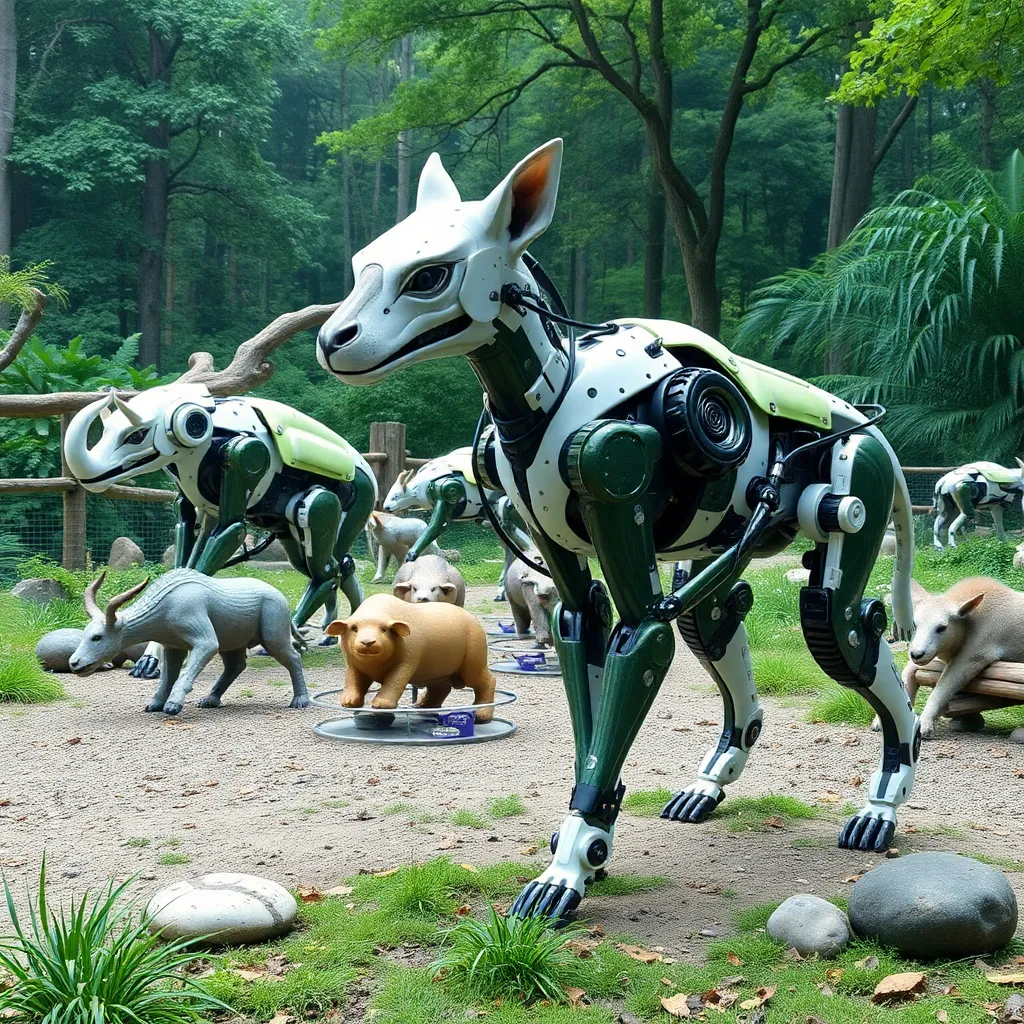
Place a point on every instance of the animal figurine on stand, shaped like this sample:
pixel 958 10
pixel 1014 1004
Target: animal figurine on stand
pixel 644 440
pixel 430 578
pixel 532 597
pixel 393 536
pixel 193 617
pixel 978 486
pixel 433 645
pixel 237 463
pixel 447 489
pixel 974 623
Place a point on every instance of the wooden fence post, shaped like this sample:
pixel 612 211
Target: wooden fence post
pixel 73 552
pixel 388 438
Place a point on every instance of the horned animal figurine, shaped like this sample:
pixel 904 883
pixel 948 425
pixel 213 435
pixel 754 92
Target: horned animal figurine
pixel 393 536
pixel 977 486
pixel 446 488
pixel 434 645
pixel 646 440
pixel 237 462
pixel 193 616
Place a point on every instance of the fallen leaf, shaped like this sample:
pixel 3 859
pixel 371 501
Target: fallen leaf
pixel 676 1005
pixel 734 960
pixel 449 844
pixel 339 890
pixel 733 981
pixel 775 822
pixel 581 949
pixel 1005 978
pixel 854 878
pixel 856 781
pixel 252 974
pixel 998 752
pixel 464 911
pixel 470 868
pixel 942 1017
pixel 949 990
pixel 793 953
pixel 869 963
pixel 719 999
pixel 897 988
pixel 645 956
pixel 828 797
pixel 529 851
pixel 74 741
pixel 761 996
pixel 309 893
pixel 833 974
pixel 385 874
pixel 576 996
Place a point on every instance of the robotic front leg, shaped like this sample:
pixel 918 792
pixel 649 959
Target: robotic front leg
pixel 962 497
pixel 715 632
pixel 609 466
pixel 844 630
pixel 447 493
pixel 997 521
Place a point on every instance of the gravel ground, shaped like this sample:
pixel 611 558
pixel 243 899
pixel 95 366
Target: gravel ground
pixel 249 787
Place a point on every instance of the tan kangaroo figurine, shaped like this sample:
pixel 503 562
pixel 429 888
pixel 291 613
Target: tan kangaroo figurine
pixel 434 645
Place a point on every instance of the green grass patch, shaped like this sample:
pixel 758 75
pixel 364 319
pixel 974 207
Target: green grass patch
pixel 781 673
pixel 1006 863
pixel 137 842
pixel 646 803
pixel 627 885
pixel 840 706
pixel 510 806
pixel 749 813
pixel 22 680
pixel 470 819
pixel 173 859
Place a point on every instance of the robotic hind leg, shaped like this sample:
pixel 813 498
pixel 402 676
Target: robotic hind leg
pixel 715 632
pixel 844 630
pixel 609 466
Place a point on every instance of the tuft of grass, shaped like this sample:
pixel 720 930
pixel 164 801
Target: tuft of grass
pixel 1006 863
pixel 627 885
pixel 753 918
pixel 507 958
pixel 646 803
pixel 97 962
pixel 840 706
pixel 425 890
pixel 171 841
pixel 469 818
pixel 750 812
pixel 22 680
pixel 506 806
pixel 173 859
pixel 781 672
pixel 137 842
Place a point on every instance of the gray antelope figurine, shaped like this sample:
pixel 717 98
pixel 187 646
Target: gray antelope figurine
pixel 195 617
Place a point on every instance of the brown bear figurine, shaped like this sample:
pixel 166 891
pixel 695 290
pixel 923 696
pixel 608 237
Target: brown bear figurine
pixel 434 645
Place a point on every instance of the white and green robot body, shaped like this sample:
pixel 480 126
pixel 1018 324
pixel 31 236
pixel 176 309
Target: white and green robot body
pixel 412 491
pixel 645 441
pixel 976 486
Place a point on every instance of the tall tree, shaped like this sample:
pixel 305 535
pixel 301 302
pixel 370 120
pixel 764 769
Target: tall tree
pixel 8 82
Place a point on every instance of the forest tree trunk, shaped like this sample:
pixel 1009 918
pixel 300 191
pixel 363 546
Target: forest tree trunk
pixel 346 189
pixel 404 137
pixel 986 91
pixel 154 216
pixel 853 171
pixel 654 248
pixel 8 81
pixel 702 285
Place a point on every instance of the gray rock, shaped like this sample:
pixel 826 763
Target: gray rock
pixel 798 575
pixel 889 543
pixel 811 925
pixel 1017 736
pixel 167 558
pixel 932 905
pixel 40 591
pixel 274 553
pixel 124 552
pixel 227 909
pixel 56 647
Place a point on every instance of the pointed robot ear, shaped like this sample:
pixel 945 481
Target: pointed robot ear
pixel 524 203
pixel 436 186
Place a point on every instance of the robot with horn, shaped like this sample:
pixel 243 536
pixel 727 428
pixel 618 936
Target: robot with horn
pixel 237 463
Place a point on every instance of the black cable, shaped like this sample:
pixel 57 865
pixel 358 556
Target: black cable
pixel 513 295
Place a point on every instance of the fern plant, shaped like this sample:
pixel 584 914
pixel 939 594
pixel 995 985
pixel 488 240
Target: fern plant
pixel 96 963
pixel 923 303
pixel 16 285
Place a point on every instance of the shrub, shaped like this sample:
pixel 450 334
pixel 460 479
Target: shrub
pixel 23 681
pixel 96 963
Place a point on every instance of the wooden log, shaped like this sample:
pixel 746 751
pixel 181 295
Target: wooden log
pixel 73 547
pixel 388 438
pixel 1008 671
pixel 37 485
pixel 982 685
pixel 928 469
pixel 416 463
pixel 122 493
pixel 921 510
pixel 374 457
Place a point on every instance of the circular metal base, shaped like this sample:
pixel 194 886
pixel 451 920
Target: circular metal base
pixel 519 660
pixel 345 730
pixel 505 628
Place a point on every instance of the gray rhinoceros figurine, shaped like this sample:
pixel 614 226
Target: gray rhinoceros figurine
pixel 193 616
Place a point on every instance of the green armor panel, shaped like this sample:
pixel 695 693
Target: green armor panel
pixel 305 444
pixel 995 473
pixel 772 391
pixel 461 461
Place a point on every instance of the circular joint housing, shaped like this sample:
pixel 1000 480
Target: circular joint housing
pixel 707 422
pixel 611 461
pixel 597 853
pixel 190 425
pixel 486 467
pixel 846 514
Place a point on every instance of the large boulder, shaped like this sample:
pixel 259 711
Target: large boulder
pixel 124 552
pixel 224 909
pixel 931 905
pixel 811 925
pixel 41 591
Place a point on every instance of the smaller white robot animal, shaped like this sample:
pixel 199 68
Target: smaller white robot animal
pixel 978 485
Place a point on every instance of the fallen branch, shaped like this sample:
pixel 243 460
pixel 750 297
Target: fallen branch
pixel 23 329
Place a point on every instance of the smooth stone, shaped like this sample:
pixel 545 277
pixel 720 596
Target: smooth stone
pixel 274 553
pixel 223 909
pixel 124 552
pixel 798 575
pixel 1017 736
pixel 930 905
pixel 41 591
pixel 167 558
pixel 811 925
pixel 889 544
pixel 56 647
pixel 1018 557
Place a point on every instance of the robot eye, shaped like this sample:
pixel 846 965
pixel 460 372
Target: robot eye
pixel 428 280
pixel 136 436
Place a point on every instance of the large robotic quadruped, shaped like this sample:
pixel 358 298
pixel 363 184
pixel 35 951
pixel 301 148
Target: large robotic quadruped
pixel 239 463
pixel 644 440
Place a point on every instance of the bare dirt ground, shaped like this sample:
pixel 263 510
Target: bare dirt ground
pixel 250 787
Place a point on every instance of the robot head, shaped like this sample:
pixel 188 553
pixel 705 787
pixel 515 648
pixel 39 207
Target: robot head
pixel 154 429
pixel 430 286
pixel 402 497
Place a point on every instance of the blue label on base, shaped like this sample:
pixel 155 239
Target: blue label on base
pixel 531 662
